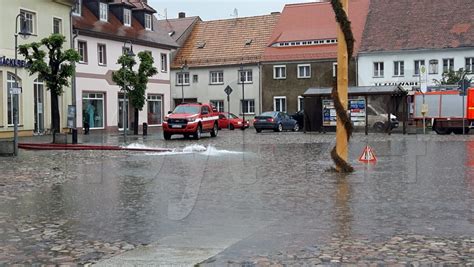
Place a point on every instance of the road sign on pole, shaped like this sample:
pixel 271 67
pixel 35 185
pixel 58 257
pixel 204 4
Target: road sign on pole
pixel 228 90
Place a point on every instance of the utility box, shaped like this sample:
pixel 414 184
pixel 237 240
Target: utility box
pixel 7 148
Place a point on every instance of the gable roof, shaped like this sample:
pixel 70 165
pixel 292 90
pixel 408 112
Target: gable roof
pixel 89 24
pixel 177 26
pixel 422 24
pixel 223 42
pixel 313 21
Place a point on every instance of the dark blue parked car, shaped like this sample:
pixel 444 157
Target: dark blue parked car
pixel 274 120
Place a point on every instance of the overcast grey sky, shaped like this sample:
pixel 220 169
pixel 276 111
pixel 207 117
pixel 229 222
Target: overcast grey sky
pixel 215 9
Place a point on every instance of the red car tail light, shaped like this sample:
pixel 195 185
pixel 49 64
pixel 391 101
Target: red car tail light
pixel 270 120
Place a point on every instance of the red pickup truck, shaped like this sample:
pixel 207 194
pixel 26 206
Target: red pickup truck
pixel 191 119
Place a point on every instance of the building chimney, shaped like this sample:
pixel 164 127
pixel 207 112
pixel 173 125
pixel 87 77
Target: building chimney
pixel 181 15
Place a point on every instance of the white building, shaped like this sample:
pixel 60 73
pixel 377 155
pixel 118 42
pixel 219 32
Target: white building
pixel 104 29
pixel 400 38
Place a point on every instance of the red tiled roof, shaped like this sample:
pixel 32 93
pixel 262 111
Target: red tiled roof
pixel 140 4
pixel 422 24
pixel 313 21
pixel 225 41
pixel 89 24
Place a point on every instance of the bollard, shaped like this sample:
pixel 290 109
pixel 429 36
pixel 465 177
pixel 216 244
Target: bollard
pixel 74 135
pixel 145 129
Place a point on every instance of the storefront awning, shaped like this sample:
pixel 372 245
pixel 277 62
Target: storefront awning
pixel 394 90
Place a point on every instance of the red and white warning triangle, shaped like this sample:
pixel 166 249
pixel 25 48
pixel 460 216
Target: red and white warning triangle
pixel 367 155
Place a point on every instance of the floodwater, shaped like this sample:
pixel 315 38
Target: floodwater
pixel 250 194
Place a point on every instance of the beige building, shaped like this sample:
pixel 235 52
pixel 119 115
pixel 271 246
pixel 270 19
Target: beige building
pixel 42 18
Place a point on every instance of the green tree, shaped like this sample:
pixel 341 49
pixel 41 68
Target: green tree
pixel 452 78
pixel 135 82
pixel 55 71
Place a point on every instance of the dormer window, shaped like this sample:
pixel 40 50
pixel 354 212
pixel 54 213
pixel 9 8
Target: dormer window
pixel 148 22
pixel 127 17
pixel 103 11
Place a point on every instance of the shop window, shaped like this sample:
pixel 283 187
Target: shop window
pixel 155 109
pixel 93 110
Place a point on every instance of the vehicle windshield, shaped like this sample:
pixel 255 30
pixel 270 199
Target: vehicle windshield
pixel 268 114
pixel 232 116
pixel 186 110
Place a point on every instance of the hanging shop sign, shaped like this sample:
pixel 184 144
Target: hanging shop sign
pixel 10 62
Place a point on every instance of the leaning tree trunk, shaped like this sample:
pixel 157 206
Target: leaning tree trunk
pixel 55 120
pixel 135 122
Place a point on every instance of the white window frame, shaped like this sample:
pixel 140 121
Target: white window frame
pixel 247 75
pixel 78 8
pixel 104 110
pixel 60 24
pixel 279 72
pixel 219 79
pixel 164 62
pixel 399 68
pixel 32 20
pixel 417 66
pixel 248 106
pixel 299 102
pixel 304 75
pixel 127 17
pixel 101 55
pixel 378 69
pixel 103 11
pixel 83 58
pixel 431 69
pixel 219 104
pixel 279 98
pixel 469 67
pixel 334 69
pixel 148 22
pixel 156 98
pixel 197 78
pixel 449 65
pixel 11 81
pixel 179 78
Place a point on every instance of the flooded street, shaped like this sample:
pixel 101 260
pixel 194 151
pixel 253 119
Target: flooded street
pixel 242 198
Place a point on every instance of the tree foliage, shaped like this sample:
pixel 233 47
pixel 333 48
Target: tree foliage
pixel 452 78
pixel 54 67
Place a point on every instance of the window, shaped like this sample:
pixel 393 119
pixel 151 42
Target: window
pixel 127 17
pixel 418 64
pixel 248 106
pixel 28 21
pixel 57 26
pixel 245 76
pixel 398 68
pixel 279 72
pixel 148 22
pixel 219 104
pixel 279 103
pixel 77 8
pixel 101 54
pixel 217 77
pixel 448 64
pixel 433 66
pixel 93 109
pixel 155 109
pixel 195 78
pixel 82 49
pixel 378 69
pixel 304 71
pixel 300 103
pixel 103 12
pixel 11 83
pixel 334 69
pixel 164 63
pixel 470 64
pixel 182 78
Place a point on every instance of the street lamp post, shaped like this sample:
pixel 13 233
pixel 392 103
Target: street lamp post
pixel 184 69
pixel 129 51
pixel 24 33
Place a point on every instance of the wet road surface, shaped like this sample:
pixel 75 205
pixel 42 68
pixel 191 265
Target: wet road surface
pixel 243 198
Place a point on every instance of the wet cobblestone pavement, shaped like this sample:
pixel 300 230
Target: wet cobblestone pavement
pixel 268 197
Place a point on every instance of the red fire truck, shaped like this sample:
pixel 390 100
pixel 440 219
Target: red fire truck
pixel 445 110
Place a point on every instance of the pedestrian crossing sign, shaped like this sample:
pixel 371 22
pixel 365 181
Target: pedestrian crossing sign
pixel 368 155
